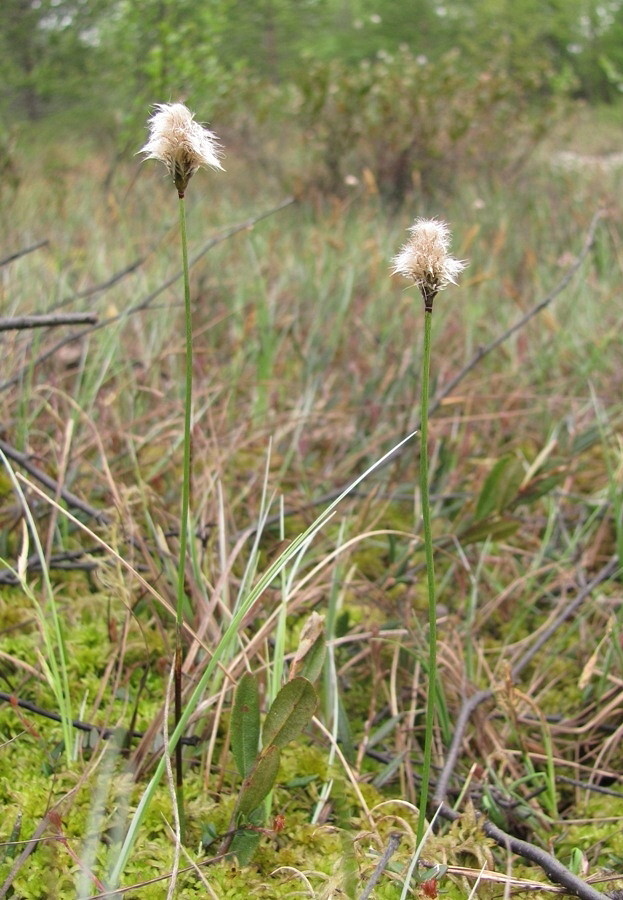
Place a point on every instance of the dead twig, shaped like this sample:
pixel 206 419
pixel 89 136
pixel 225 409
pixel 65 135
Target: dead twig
pixel 392 845
pixel 102 731
pixel 104 285
pixel 30 847
pixel 70 498
pixel 23 252
pixel 554 870
pixel 53 320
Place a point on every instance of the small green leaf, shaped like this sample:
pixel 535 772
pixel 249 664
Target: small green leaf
pixel 209 834
pixel 342 624
pixel 314 659
pixel 244 845
pixel 539 487
pixel 493 528
pixel 500 487
pixel 290 713
pixel 301 781
pixel 259 782
pixel 245 724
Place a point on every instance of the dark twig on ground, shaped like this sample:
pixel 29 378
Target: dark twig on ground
pixel 104 285
pixel 102 731
pixel 607 571
pixel 392 845
pixel 30 847
pixel 586 786
pixel 23 460
pixel 20 323
pixel 23 252
pixel 555 871
pixel 67 562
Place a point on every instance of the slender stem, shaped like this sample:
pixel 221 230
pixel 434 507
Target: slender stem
pixel 430 572
pixel 181 572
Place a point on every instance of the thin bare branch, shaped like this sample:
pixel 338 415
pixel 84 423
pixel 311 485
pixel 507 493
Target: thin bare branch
pixel 554 869
pixel 53 320
pixel 70 498
pixel 102 731
pixel 480 354
pixel 23 252
pixel 392 845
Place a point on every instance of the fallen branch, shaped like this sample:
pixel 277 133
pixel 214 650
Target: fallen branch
pixel 29 848
pixel 392 845
pixel 102 731
pixel 70 498
pixel 19 253
pixel 53 320
pixel 554 870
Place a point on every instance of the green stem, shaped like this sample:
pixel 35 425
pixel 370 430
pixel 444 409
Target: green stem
pixel 181 572
pixel 430 573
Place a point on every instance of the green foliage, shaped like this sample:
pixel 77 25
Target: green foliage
pixel 112 58
pixel 500 487
pixel 289 714
pixel 340 389
pixel 47 58
pixel 411 122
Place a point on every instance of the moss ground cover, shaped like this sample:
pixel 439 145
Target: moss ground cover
pixel 306 371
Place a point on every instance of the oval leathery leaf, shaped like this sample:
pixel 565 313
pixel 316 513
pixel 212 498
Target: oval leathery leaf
pixel 290 713
pixel 259 782
pixel 245 723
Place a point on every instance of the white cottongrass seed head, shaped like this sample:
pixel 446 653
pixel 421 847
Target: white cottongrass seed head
pixel 425 258
pixel 179 142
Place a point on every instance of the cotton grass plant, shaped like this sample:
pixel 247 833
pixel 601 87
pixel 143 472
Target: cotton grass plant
pixel 141 853
pixel 425 260
pixel 183 146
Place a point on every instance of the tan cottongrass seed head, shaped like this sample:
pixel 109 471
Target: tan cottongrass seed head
pixel 179 142
pixel 425 259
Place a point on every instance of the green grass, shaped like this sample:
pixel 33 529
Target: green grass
pixel 306 372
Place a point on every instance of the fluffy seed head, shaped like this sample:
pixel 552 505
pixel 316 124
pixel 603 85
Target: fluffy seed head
pixel 182 144
pixel 425 259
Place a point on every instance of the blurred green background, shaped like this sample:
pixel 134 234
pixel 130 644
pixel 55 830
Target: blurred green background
pixel 98 54
pixel 359 85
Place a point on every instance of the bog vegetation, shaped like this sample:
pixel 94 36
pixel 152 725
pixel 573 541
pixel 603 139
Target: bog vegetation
pixel 287 757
